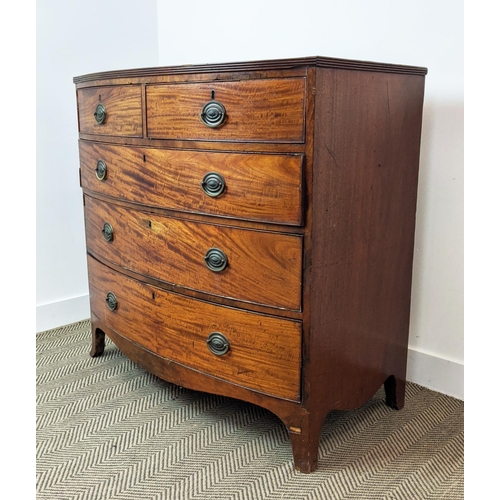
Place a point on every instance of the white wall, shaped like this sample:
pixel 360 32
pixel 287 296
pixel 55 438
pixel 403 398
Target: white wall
pixel 74 37
pixel 424 33
pixel 77 37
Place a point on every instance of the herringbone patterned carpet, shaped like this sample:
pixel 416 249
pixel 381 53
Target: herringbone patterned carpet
pixel 108 430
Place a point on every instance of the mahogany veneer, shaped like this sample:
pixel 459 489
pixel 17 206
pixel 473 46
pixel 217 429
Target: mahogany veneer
pixel 263 110
pixel 267 257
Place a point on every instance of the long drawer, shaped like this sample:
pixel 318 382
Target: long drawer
pixel 264 187
pixel 248 265
pixel 267 110
pixel 259 352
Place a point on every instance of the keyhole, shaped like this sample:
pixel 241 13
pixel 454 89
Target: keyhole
pixel 213 94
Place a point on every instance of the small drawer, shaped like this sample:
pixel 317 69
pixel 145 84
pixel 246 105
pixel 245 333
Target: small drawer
pixel 251 186
pixel 259 352
pixel 267 110
pixel 253 266
pixel 114 110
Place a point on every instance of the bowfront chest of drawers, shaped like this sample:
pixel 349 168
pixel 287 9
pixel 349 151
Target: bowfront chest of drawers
pixel 250 228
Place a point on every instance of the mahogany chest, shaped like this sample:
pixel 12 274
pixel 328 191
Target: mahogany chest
pixel 250 228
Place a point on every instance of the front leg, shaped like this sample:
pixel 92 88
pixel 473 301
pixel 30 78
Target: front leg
pixel 305 442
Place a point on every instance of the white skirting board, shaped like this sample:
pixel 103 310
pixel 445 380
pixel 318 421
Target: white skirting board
pixel 425 369
pixel 62 313
pixel 436 373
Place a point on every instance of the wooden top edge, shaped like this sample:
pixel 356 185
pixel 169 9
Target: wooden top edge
pixel 322 62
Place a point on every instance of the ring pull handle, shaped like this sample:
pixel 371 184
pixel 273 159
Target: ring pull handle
pixel 100 114
pixel 213 114
pixel 101 170
pixel 111 301
pixel 107 231
pixel 218 343
pixel 213 184
pixel 215 260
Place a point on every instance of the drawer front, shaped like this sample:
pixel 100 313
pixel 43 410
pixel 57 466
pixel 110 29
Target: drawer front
pixel 264 353
pixel 262 187
pixel 261 267
pixel 268 110
pixel 122 110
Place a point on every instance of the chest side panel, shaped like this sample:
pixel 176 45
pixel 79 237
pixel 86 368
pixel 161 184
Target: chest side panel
pixel 366 157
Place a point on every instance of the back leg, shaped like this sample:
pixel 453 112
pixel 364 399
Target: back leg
pixel 395 392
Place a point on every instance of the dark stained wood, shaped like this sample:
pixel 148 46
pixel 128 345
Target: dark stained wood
pixel 98 340
pixel 263 267
pixel 265 187
pixel 264 354
pixel 394 392
pixel 277 64
pixel 123 110
pixel 366 155
pixel 266 110
pixel 225 76
pixel 342 277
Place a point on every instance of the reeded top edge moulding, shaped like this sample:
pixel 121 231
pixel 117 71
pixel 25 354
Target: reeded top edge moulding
pixel 272 64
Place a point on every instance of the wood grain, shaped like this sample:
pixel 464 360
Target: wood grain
pixel 263 267
pixel 196 294
pixel 123 110
pixel 290 412
pixel 191 216
pixel 241 147
pixel 366 155
pixel 264 354
pixel 264 187
pixel 270 110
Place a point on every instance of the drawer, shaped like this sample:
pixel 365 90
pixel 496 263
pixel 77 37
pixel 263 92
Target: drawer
pixel 267 110
pixel 263 187
pixel 261 267
pixel 263 352
pixel 122 110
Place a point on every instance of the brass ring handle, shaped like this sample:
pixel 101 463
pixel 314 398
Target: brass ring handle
pixel 213 114
pixel 101 170
pixel 111 301
pixel 213 184
pixel 218 344
pixel 107 231
pixel 100 114
pixel 215 260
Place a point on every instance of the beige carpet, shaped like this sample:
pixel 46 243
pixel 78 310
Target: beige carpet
pixel 108 430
